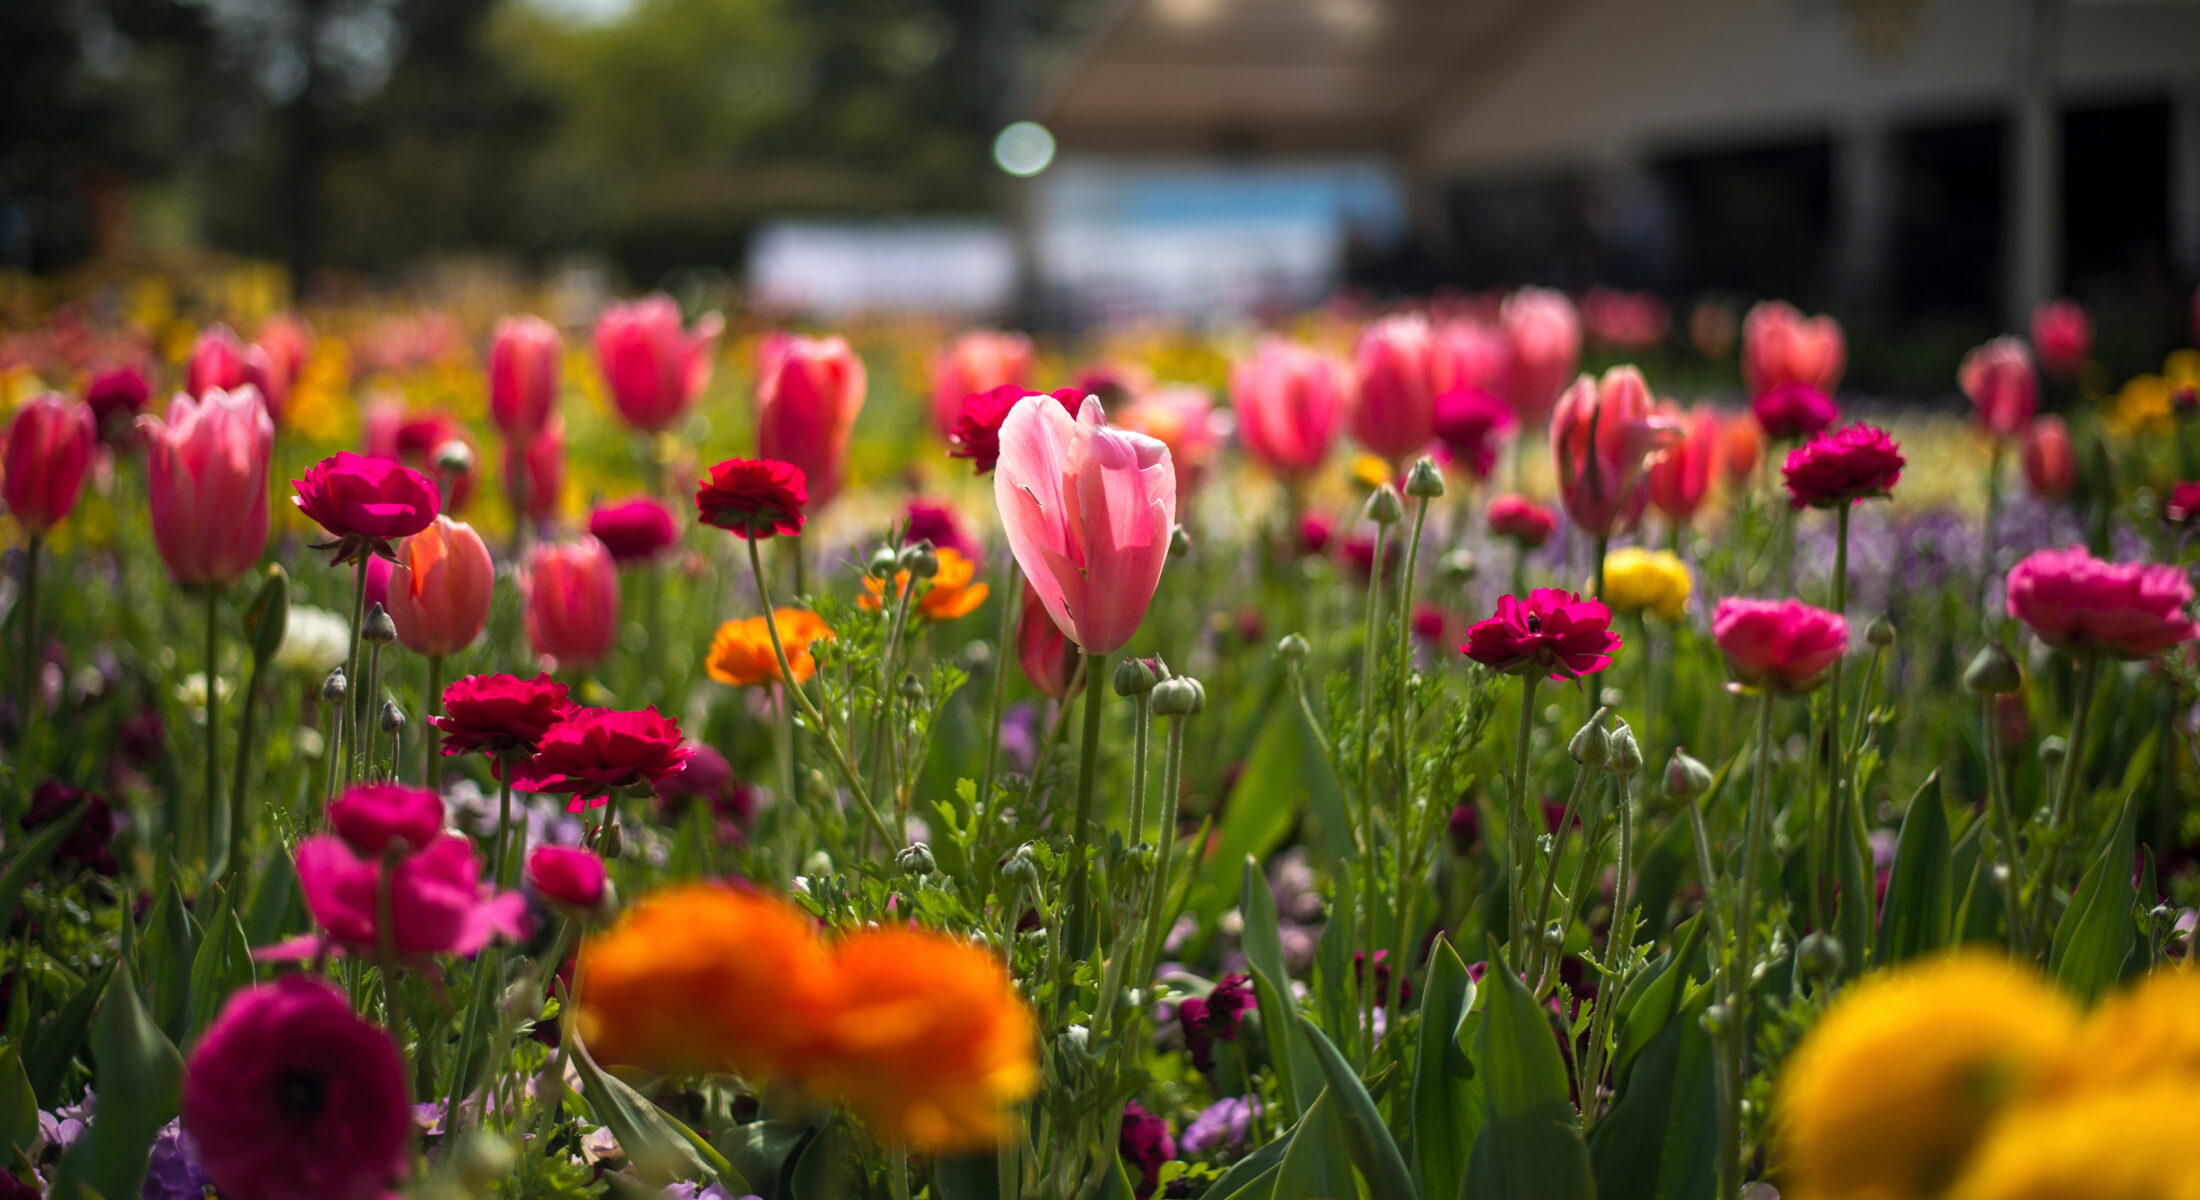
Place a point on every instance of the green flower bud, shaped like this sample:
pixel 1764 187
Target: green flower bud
pixel 915 859
pixel 1424 481
pixel 1292 648
pixel 1180 543
pixel 453 458
pixel 1384 507
pixel 614 841
pixel 884 562
pixel 481 1160
pixel 1685 777
pixel 1458 567
pixel 393 717
pixel 1135 677
pixel 1820 956
pixel 1993 672
pixel 334 688
pixel 378 628
pixel 912 688
pixel 2053 750
pixel 1591 746
pixel 920 560
pixel 1021 869
pixel 1624 755
pixel 1880 632
pixel 1178 697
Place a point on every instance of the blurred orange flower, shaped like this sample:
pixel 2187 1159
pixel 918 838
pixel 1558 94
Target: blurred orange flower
pixel 930 1041
pixel 703 978
pixel 741 653
pixel 951 595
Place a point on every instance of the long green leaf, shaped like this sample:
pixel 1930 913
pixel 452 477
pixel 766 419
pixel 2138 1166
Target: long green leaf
pixel 38 850
pixel 1447 1103
pixel 140 1085
pixel 211 976
pixel 1373 1149
pixel 1318 1164
pixel 1242 1175
pixel 18 1103
pixel 1286 771
pixel 166 950
pixel 1288 1056
pixel 2094 936
pixel 54 1044
pixel 1920 891
pixel 1661 1139
pixel 1530 1146
pixel 658 1153
pixel 1652 998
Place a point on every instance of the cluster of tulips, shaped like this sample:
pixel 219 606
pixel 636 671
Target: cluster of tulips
pixel 1335 931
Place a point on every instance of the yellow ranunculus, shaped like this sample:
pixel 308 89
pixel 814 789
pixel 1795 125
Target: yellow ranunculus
pixel 2133 1143
pixel 1638 580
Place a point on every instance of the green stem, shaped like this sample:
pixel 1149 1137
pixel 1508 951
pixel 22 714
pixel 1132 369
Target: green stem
pixel 432 767
pixel 1080 873
pixel 1157 918
pixel 240 821
pixel 1516 823
pixel 2065 800
pixel 1838 779
pixel 373 715
pixel 504 820
pixel 2005 826
pixel 1003 651
pixel 1053 739
pixel 29 666
pixel 1604 551
pixel 217 816
pixel 1363 1028
pixel 1538 962
pixel 1141 748
pixel 352 699
pixel 1738 983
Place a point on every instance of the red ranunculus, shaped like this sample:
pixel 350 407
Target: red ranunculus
pixel 1856 462
pixel 753 497
pixel 597 751
pixel 1552 631
pixel 500 714
pixel 977 432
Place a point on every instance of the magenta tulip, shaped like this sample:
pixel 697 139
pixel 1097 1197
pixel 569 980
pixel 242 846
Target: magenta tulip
pixel 206 477
pixel 1544 334
pixel 2004 389
pixel 523 375
pixel 808 392
pixel 1399 378
pixel 50 445
pixel 1602 433
pixel 573 603
pixel 653 369
pixel 1290 403
pixel 2062 336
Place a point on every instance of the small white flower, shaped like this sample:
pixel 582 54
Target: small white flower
pixel 315 641
pixel 191 692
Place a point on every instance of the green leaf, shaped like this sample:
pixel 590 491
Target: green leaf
pixel 140 1084
pixel 658 1154
pixel 1530 1145
pixel 54 1044
pixel 223 955
pixel 1852 914
pixel 1920 890
pixel 1286 770
pixel 166 951
pixel 1662 987
pixel 1288 1055
pixel 18 1103
pixel 1317 1165
pixel 1255 1174
pixel 760 1150
pixel 1447 1103
pixel 1373 1149
pixel 274 904
pixel 967 1177
pixel 37 851
pixel 820 1168
pixel 1661 1139
pixel 2094 935
pixel 268 618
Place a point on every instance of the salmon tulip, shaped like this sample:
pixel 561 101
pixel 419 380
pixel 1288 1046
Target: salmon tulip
pixel 979 361
pixel 573 603
pixel 439 590
pixel 1601 433
pixel 1780 345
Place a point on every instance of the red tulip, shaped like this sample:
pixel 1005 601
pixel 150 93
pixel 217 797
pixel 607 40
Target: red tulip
pixel 1780 345
pixel 1394 412
pixel 2081 605
pixel 653 369
pixel 206 480
pixel 808 392
pixel 573 603
pixel 1680 474
pixel 535 479
pixel 1544 333
pixel 1088 511
pixel 978 361
pixel 2003 388
pixel 1290 404
pixel 1601 433
pixel 2050 466
pixel 1625 320
pixel 50 445
pixel 1048 658
pixel 523 375
pixel 1785 645
pixel 440 588
pixel 2062 336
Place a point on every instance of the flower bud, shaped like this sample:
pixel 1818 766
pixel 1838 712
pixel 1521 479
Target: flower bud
pixel 1685 777
pixel 1180 542
pixel 1292 648
pixel 454 457
pixel 1178 697
pixel 915 859
pixel 1716 1018
pixel 884 562
pixel 1135 677
pixel 1384 507
pixel 481 1160
pixel 1458 567
pixel 1424 481
pixel 614 841
pixel 1021 868
pixel 393 717
pixel 1624 756
pixel 1591 746
pixel 1993 672
pixel 334 688
pixel 1139 860
pixel 921 560
pixel 912 688
pixel 1820 956
pixel 1880 632
pixel 818 863
pixel 2052 751
pixel 1554 938
pixel 378 629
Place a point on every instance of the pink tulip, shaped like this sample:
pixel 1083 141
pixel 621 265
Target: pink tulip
pixel 654 370
pixel 206 479
pixel 2003 388
pixel 1625 320
pixel 1780 345
pixel 539 472
pixel 2082 606
pixel 50 445
pixel 1478 356
pixel 284 344
pixel 438 904
pixel 1290 404
pixel 573 602
pixel 523 375
pixel 808 392
pixel 1680 474
pixel 1544 333
pixel 1400 376
pixel 1785 645
pixel 439 590
pixel 1088 512
pixel 2050 466
pixel 978 361
pixel 2062 335
pixel 1049 660
pixel 1603 485
pixel 1181 417
pixel 219 361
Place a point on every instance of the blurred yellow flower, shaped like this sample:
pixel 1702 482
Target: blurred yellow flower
pixel 1639 580
pixel 2130 1144
pixel 1898 1081
pixel 1369 471
pixel 951 595
pixel 2147 1030
pixel 2147 404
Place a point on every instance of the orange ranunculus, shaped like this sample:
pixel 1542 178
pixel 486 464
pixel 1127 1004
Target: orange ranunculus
pixel 929 1040
pixel 704 978
pixel 741 653
pixel 951 595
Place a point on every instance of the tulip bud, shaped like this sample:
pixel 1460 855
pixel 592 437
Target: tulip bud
pixel 1993 672
pixel 393 717
pixel 1458 567
pixel 1880 632
pixel 1178 697
pixel 915 859
pixel 1384 507
pixel 334 687
pixel 1591 746
pixel 1424 481
pixel 1625 754
pixel 921 560
pixel 378 628
pixel 1180 542
pixel 269 617
pixel 1292 648
pixel 1820 956
pixel 1686 778
pixel 1135 677
pixel 884 562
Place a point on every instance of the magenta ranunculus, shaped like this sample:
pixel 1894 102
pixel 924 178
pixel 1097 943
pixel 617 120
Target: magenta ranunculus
pixel 597 751
pixel 568 875
pixel 1850 464
pixel 372 815
pixel 438 904
pixel 1144 1144
pixel 1470 425
pixel 364 502
pixel 2082 606
pixel 1785 645
pixel 939 523
pixel 635 530
pixel 2183 503
pixel 1553 631
pixel 289 1094
pixel 1521 519
pixel 975 432
pixel 500 714
pixel 1793 411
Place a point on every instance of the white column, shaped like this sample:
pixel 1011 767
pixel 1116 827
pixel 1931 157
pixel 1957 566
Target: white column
pixel 2184 178
pixel 2034 234
pixel 1864 206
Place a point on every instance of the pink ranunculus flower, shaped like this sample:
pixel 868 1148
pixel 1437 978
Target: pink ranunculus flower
pixel 569 876
pixel 808 392
pixel 572 593
pixel 1470 425
pixel 2003 387
pixel 978 361
pixel 1543 332
pixel 1781 345
pixel 1845 466
pixel 523 375
pixel 1552 632
pixel 438 904
pixel 653 368
pixel 49 451
pixel 1785 645
pixel 372 815
pixel 1291 403
pixel 2083 606
pixel 1088 511
pixel 2050 464
pixel 1521 519
pixel 366 500
pixel 289 1093
pixel 1793 411
pixel 440 588
pixel 1602 434
pixel 1399 375
pixel 2062 336
pixel 1181 417
pixel 1681 474
pixel 637 529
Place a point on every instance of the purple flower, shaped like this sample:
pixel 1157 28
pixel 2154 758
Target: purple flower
pixel 1221 1125
pixel 1214 1017
pixel 1145 1144
pixel 175 1173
